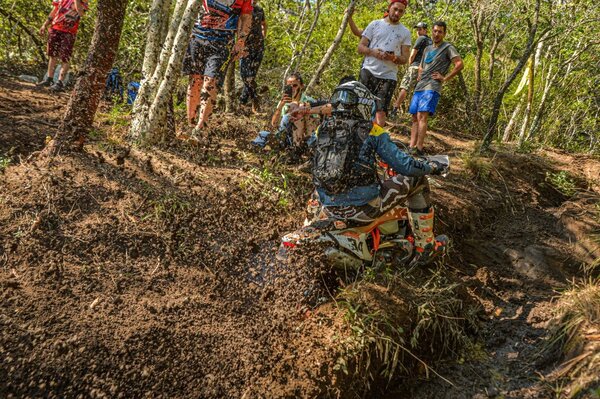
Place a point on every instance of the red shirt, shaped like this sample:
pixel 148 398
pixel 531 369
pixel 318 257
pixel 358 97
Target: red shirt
pixel 66 17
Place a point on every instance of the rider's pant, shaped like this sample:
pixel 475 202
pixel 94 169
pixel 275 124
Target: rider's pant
pixel 393 192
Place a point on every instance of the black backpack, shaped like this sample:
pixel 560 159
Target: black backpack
pixel 335 167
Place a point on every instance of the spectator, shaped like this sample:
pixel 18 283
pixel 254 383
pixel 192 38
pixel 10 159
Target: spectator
pixel 410 77
pixel 255 44
pixel 432 74
pixel 208 53
pixel 292 127
pixel 61 25
pixel 385 44
pixel 301 128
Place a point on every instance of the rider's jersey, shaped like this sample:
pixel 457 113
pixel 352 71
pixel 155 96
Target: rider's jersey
pixel 377 143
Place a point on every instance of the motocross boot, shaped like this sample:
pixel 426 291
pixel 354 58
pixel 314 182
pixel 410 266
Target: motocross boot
pixel 427 246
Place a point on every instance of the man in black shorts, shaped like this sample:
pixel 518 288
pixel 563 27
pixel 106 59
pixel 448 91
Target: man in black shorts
pixel 385 44
pixel 209 50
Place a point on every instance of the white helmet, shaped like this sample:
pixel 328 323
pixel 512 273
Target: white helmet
pixel 353 99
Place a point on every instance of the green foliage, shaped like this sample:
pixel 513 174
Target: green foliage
pixel 562 181
pixel 166 207
pixel 567 64
pixel 4 162
pixel 270 184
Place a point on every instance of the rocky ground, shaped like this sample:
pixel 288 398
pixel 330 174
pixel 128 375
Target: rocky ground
pixel 141 272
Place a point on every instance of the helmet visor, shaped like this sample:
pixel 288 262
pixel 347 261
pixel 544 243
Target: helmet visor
pixel 343 97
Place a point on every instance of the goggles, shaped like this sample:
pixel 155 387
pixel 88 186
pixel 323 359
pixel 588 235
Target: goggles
pixel 343 97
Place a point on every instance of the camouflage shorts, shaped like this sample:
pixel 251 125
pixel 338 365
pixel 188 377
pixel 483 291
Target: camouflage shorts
pixel 409 81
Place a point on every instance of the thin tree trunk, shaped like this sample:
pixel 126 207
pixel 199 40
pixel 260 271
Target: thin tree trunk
pixel 158 19
pixel 298 61
pixel 530 91
pixel 295 53
pixel 493 121
pixel 511 123
pixel 537 120
pixel 468 100
pixel 333 47
pixel 86 95
pixel 476 23
pixel 156 127
pixel 150 83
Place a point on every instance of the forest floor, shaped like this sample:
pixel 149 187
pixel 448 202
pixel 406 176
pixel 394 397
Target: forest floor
pixel 132 272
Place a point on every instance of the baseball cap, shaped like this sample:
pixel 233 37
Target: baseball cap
pixel 421 25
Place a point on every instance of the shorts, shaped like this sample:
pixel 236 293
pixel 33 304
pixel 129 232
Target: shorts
pixel 60 44
pixel 381 88
pixel 424 101
pixel 206 58
pixel 409 81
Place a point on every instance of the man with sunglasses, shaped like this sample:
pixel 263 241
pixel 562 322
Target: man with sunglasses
pixel 432 74
pixel 385 43
pixel 345 154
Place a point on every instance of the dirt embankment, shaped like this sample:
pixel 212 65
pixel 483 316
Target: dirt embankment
pixel 139 273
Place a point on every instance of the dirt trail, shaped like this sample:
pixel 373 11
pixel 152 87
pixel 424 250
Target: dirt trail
pixel 134 273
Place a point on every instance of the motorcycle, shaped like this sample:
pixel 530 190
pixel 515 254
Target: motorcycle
pixel 387 240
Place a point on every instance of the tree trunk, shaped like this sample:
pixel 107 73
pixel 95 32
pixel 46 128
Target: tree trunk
pixel 150 120
pixel 298 62
pixel 157 24
pixel 151 81
pixel 298 27
pixel 493 121
pixel 468 102
pixel 511 123
pixel 476 24
pixel 86 95
pixel 537 120
pixel 334 45
pixel 530 90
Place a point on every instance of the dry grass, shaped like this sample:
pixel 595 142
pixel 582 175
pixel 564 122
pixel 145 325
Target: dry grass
pixel 477 166
pixel 402 328
pixel 577 336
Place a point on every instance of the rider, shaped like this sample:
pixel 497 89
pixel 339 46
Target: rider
pixel 345 176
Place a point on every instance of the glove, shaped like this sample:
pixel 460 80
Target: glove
pixel 437 168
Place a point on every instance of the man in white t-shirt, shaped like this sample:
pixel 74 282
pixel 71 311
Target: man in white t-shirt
pixel 385 44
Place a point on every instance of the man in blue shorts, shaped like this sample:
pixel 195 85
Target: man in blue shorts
pixel 432 74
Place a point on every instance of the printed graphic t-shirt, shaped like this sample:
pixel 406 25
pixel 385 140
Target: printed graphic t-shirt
pixel 435 59
pixel 66 18
pixel 387 37
pixel 220 19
